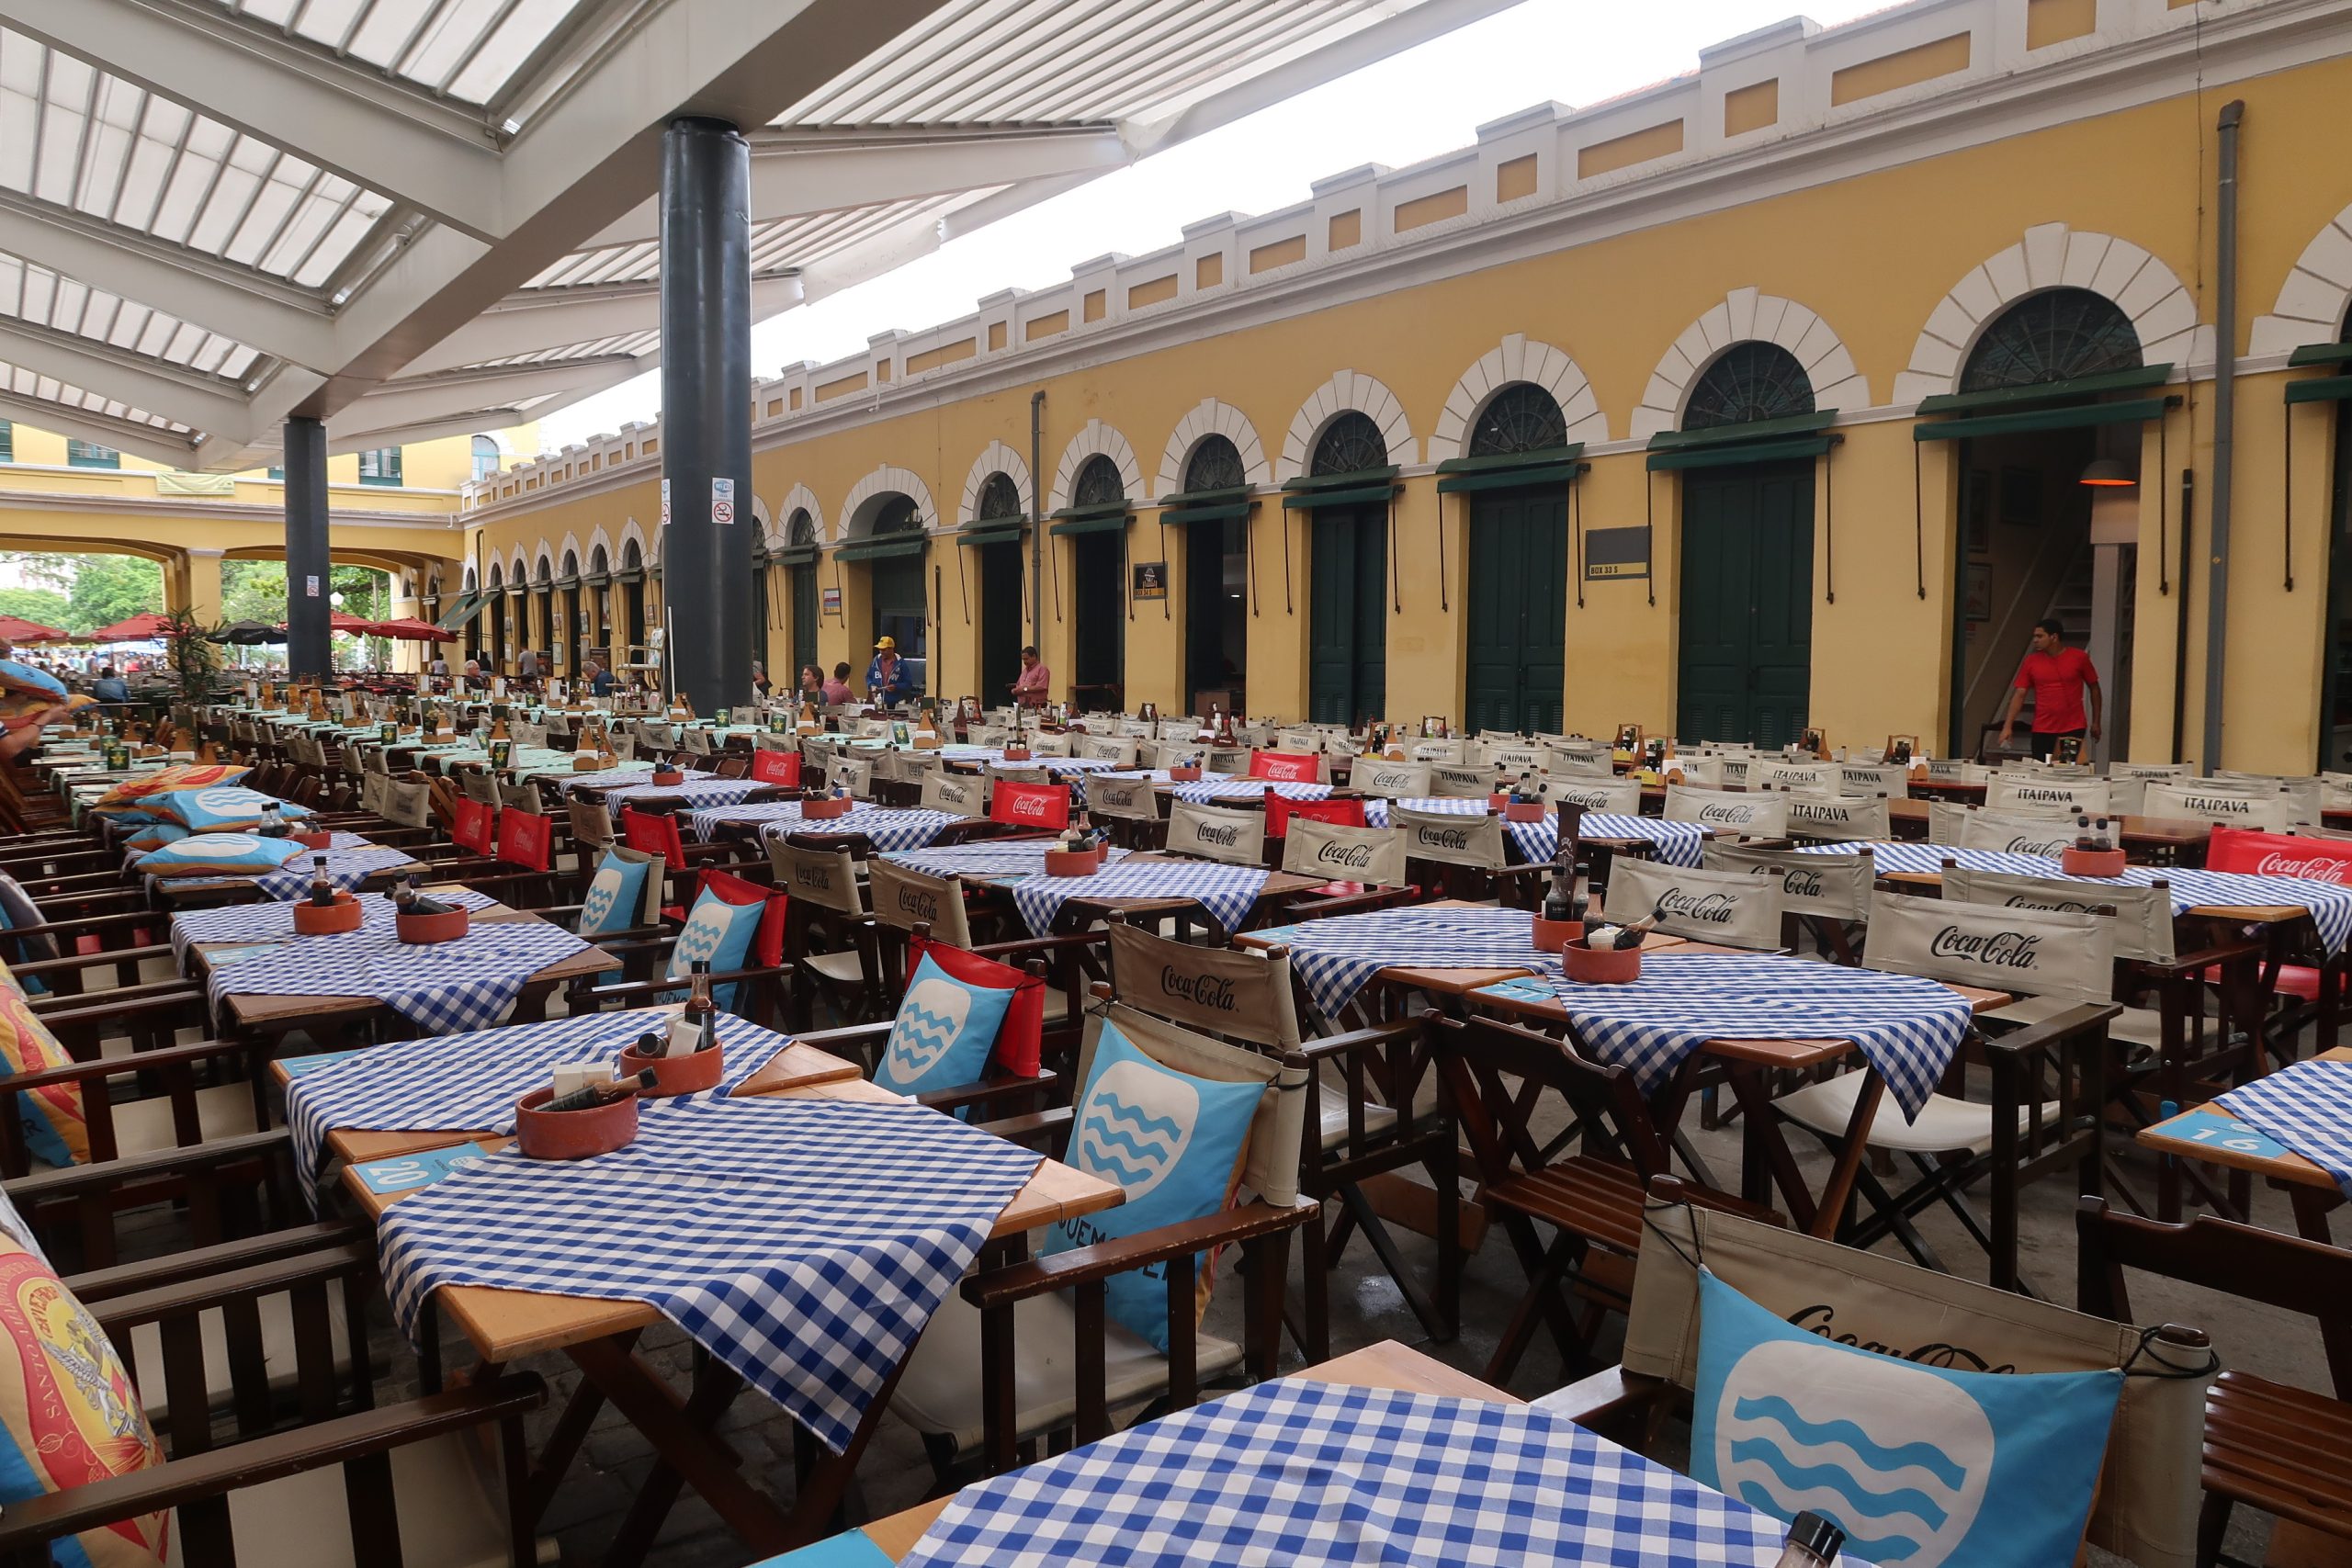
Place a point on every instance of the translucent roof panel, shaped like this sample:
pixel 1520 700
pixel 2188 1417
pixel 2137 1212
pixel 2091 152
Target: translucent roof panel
pixel 78 138
pixel 39 297
pixel 47 389
pixel 465 49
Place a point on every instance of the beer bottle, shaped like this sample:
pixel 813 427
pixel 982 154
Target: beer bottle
pixel 589 1097
pixel 1812 1542
pixel 273 822
pixel 322 889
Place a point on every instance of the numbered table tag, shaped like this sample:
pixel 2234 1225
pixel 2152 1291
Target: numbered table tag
pixel 2213 1131
pixel 410 1172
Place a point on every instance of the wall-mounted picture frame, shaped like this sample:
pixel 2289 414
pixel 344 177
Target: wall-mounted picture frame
pixel 1151 579
pixel 2021 497
pixel 831 602
pixel 1976 591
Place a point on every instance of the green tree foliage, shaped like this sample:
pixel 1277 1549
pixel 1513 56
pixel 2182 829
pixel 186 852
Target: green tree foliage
pixel 95 591
pixel 44 606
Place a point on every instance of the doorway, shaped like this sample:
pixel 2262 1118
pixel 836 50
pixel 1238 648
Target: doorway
pixel 1744 674
pixel 1002 619
pixel 1515 676
pixel 1099 563
pixel 1347 615
pixel 1217 619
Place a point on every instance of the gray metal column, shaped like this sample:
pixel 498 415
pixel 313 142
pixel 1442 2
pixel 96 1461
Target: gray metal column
pixel 308 650
pixel 706 410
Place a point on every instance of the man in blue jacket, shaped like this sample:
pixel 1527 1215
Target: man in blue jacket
pixel 888 682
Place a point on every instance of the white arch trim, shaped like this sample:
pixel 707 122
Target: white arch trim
pixel 1097 439
pixel 800 498
pixel 2315 297
pixel 1210 417
pixel 997 458
pixel 1349 389
pixel 2052 255
pixel 1749 315
pixel 469 578
pixel 883 481
pixel 1511 361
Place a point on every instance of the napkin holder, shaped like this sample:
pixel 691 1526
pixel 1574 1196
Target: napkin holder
pixel 423 931
pixel 690 1073
pixel 586 762
pixel 572 1135
pixel 1016 753
pixel 344 914
pixel 1601 967
pixel 1551 936
pixel 1073 862
pixel 825 807
pixel 2092 863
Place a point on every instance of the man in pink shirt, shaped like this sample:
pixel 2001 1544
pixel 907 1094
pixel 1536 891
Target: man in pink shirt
pixel 2057 676
pixel 1036 682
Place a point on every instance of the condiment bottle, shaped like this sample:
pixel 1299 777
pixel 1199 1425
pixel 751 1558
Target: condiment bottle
pixel 1813 1542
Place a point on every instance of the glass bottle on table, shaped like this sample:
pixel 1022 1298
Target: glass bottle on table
pixel 1812 1542
pixel 691 1030
pixel 321 886
pixel 273 822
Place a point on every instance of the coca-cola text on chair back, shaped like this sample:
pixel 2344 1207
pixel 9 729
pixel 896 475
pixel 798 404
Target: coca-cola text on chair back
pixel 2278 854
pixel 1030 804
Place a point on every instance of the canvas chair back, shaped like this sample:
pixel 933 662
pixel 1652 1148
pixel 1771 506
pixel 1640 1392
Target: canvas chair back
pixel 407 803
pixel 1892 781
pixel 1475 841
pixel 2016 833
pixel 2032 790
pixel 1208 832
pixel 1819 777
pixel 1582 753
pixel 2191 801
pixel 2127 783
pixel 696 739
pixel 2303 795
pixel 825 878
pixel 852 775
pixel 2148 1496
pixel 1620 797
pixel 1728 907
pixel 905 899
pixel 1513 756
pixel 1954 770
pixel 1841 817
pixel 2143 919
pixel 1049 745
pixel 523 794
pixel 1105 749
pixel 1836 887
pixel 1397 781
pixel 1290 767
pixel 1456 752
pixel 1015 772
pixel 1562 764
pixel 479 786
pixel 1133 800
pixel 1707 772
pixel 661 736
pixel 2064 953
pixel 1237 994
pixel 1371 855
pixel 1748 813
pixel 816 755
pixel 1271 1160
pixel 958 793
pixel 1033 805
pixel 1460 780
pixel 374 793
pixel 1296 740
pixel 656 881
pixel 591 823
pixel 2336 792
pixel 625 747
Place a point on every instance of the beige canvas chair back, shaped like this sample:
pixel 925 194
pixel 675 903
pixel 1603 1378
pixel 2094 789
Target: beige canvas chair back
pixel 1234 993
pixel 625 747
pixel 2035 953
pixel 1475 841
pixel 1105 749
pixel 1981 827
pixel 1207 832
pixel 527 734
pixel 2312 831
pixel 1133 800
pixel 1747 813
pixel 1835 888
pixel 1728 907
pixel 1953 770
pixel 882 767
pixel 2143 919
pixel 2033 791
pixel 1397 781
pixel 2148 1494
pixel 763 742
pixel 852 775
pixel 827 878
pixel 375 793
pixel 1135 729
pixel 1015 773
pixel 407 803
pixel 1621 797
pixel 1580 753
pixel 1892 781
pixel 1375 856
pixel 1270 1163
pixel 2127 783
pixel 816 756
pixel 2194 803
pixel 1842 817
pixel 661 735
pixel 1513 756
pixel 523 794
pixel 905 897
pixel 2303 795
pixel 1165 754
pixel 1561 762
pixel 2027 767
pixel 1049 745
pixel 2335 792
pixel 958 793
pixel 1763 773
pixel 592 823
pixel 695 740
pixel 914 767
pixel 1460 780
pixel 1306 740
pixel 1707 772
pixel 479 786
pixel 1455 752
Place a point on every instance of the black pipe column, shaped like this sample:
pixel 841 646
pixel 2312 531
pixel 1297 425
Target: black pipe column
pixel 309 651
pixel 707 410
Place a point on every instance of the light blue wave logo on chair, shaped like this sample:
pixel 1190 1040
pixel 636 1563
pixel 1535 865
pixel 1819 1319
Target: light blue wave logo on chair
pixel 944 1034
pixel 1920 1465
pixel 614 894
pixel 718 933
pixel 1172 1140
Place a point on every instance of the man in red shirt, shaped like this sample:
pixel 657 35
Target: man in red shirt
pixel 2057 676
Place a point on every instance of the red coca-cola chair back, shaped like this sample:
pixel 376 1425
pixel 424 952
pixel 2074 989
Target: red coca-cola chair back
pixel 776 768
pixel 767 942
pixel 525 838
pixel 655 833
pixel 1288 767
pixel 1020 1039
pixel 471 825
pixel 2253 853
pixel 1030 804
pixel 1281 809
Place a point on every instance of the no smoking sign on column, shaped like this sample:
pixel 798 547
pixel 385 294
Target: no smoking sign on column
pixel 723 500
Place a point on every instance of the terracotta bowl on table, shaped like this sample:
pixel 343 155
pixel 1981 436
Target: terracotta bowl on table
pixel 1522 811
pixel 1184 775
pixel 1073 862
pixel 424 929
pixel 2092 863
pixel 313 841
pixel 315 920
pixel 669 777
pixel 572 1135
pixel 1551 936
pixel 1601 966
pixel 825 808
pixel 690 1073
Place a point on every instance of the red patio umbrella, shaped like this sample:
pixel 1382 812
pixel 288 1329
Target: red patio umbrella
pixel 138 628
pixel 16 628
pixel 339 621
pixel 408 629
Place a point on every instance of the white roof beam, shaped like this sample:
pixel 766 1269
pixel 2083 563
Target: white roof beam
pixel 104 430
pixel 475 422
pixel 204 401
pixel 399 404
pixel 538 319
pixel 236 302
pixel 338 114
pixel 800 173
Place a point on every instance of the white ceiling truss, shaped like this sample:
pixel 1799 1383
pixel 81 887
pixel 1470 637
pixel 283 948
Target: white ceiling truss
pixel 428 215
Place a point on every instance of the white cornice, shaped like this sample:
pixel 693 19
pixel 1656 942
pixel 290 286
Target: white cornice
pixel 193 510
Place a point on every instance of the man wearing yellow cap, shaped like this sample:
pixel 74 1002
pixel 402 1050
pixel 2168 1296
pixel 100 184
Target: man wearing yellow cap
pixel 888 682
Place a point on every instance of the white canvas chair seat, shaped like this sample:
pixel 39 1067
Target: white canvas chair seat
pixel 1619 798
pixel 847 968
pixel 279 1356
pixel 2134 1026
pixel 144 1126
pixel 1728 907
pixel 1945 1125
pixel 1206 832
pixel 2007 792
pixel 1744 813
pixel 1377 1119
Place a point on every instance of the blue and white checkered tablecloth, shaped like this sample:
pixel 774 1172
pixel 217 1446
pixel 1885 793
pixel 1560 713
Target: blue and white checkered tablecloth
pixel 698 790
pixel 469 1083
pixel 466 984
pixel 614 778
pixel 1315 1475
pixel 348 869
pixel 889 828
pixel 1207 791
pixel 805 1242
pixel 2307 1107
pixel 1907 1027
pixel 1338 957
pixel 2329 904
pixel 275 923
pixel 1013 858
pixel 1227 892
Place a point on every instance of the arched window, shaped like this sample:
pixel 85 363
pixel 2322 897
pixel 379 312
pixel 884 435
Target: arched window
pixel 570 563
pixel 1099 483
pixel 1216 464
pixel 897 516
pixel 2055 335
pixel 632 556
pixel 599 563
pixel 1522 417
pixel 999 499
pixel 1348 444
pixel 802 528
pixel 1749 382
pixel 497 576
pixel 485 458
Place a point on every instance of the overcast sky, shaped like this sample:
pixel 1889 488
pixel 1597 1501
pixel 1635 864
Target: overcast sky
pixel 1411 106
